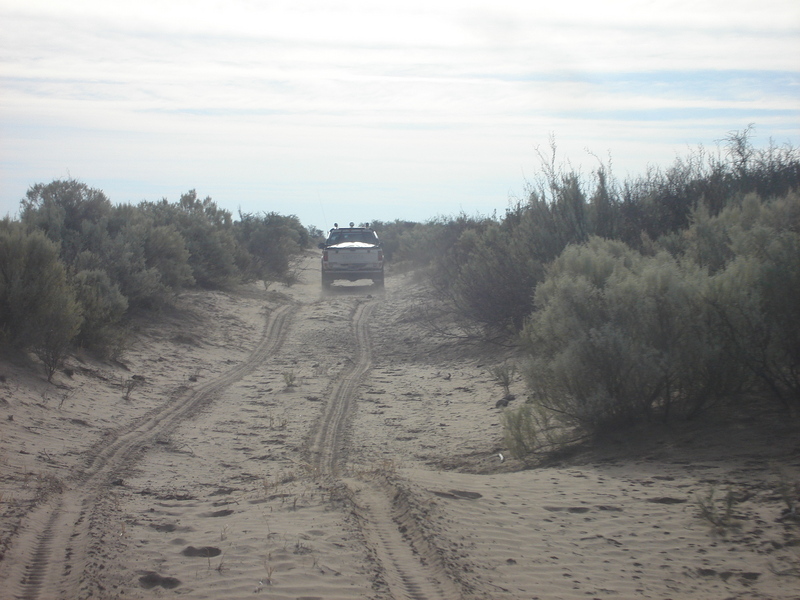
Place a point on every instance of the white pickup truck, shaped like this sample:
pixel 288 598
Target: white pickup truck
pixel 351 253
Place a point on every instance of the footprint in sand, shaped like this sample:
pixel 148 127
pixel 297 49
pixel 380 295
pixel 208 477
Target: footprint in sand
pixel 205 551
pixel 458 494
pixel 218 513
pixel 152 579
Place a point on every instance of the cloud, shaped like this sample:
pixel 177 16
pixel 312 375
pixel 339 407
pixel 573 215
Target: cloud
pixel 355 97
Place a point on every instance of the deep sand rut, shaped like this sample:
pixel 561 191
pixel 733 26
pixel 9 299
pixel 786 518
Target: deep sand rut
pixel 409 572
pixel 329 435
pixel 49 556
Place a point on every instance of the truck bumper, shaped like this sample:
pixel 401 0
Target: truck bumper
pixel 331 275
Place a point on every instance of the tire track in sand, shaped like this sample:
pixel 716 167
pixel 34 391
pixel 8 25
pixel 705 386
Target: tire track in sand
pixel 33 569
pixel 328 443
pixel 412 570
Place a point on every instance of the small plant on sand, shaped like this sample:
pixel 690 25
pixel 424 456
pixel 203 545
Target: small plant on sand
pixel 718 512
pixel 269 569
pixel 221 567
pixel 64 397
pixel 287 477
pixel 504 375
pixel 128 386
pixel 266 484
pixel 790 494
pixel 289 379
pixel 301 548
pixel 530 430
pixel 278 423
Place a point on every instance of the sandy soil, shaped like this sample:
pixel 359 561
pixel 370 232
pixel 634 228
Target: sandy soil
pixel 290 444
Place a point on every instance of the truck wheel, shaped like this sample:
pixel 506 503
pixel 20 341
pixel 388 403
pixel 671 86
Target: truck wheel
pixel 326 282
pixel 378 280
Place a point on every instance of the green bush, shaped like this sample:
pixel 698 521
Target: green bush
pixel 532 430
pixel 38 310
pixel 489 273
pixel 269 245
pixel 126 264
pixel 494 286
pixel 522 432
pixel 620 338
pixel 755 298
pixel 207 231
pixel 103 307
pixel 75 264
pixel 55 328
pixel 70 213
pixel 165 251
pixel 391 234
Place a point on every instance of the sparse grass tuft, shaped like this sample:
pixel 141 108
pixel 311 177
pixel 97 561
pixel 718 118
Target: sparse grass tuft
pixel 290 379
pixel 128 386
pixel 301 548
pixel 790 494
pixel 531 430
pixel 221 567
pixel 719 512
pixel 269 569
pixel 504 375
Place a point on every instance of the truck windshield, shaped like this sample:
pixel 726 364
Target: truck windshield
pixel 353 236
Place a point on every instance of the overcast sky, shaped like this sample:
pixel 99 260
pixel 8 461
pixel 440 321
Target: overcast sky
pixel 339 110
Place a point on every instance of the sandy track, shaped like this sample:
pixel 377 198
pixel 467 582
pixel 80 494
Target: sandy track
pixel 329 437
pixel 49 558
pixel 408 573
pixel 410 566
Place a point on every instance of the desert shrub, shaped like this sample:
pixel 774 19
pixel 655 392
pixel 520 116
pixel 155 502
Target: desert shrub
pixel 165 251
pixel 55 329
pixel 212 257
pixel 38 310
pixel 531 431
pixel 662 201
pixel 619 338
pixel 719 512
pixel 208 234
pixel 489 275
pixel 504 375
pixel 494 285
pixel 126 264
pixel 269 244
pixel 522 432
pixel 478 267
pixel 754 298
pixel 70 213
pixel 103 307
pixel 434 245
pixel 603 210
pixel 143 260
pixel 391 233
pixel 751 250
pixel 493 281
pixel 662 306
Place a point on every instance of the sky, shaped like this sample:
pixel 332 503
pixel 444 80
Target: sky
pixel 356 110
